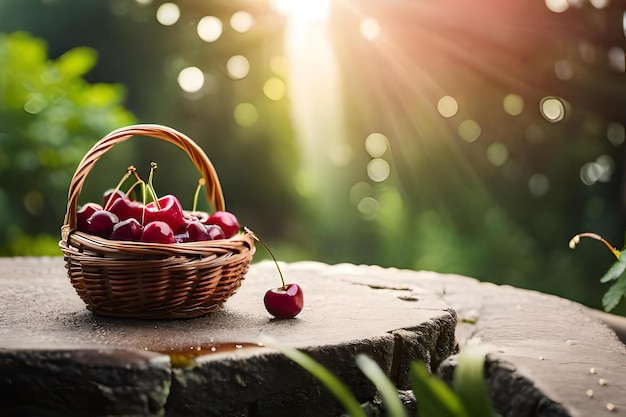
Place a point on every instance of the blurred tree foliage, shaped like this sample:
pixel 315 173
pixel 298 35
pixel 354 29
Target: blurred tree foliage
pixel 49 116
pixel 489 190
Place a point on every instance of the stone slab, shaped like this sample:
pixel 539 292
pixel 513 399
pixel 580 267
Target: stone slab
pixel 550 356
pixel 211 365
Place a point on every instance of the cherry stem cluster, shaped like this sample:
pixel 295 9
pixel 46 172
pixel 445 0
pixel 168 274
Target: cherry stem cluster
pixel 151 190
pixel 130 170
pixel 246 229
pixel 201 182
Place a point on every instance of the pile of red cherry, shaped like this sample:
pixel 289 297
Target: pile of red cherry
pixel 161 221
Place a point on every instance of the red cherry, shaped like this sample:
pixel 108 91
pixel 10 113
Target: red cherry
pixel 84 213
pixel 101 223
pixel 215 232
pixel 194 232
pixel 284 302
pixel 110 196
pixel 158 232
pixel 129 229
pixel 190 216
pixel 226 220
pixel 169 210
pixel 125 208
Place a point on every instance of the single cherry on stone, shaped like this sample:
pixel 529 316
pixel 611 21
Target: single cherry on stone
pixel 284 302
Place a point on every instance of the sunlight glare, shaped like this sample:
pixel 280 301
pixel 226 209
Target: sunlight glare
pixel 310 10
pixel 370 29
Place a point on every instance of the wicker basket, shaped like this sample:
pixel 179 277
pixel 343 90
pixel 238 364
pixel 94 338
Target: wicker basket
pixel 152 280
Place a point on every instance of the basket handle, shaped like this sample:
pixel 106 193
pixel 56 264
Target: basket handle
pixel 197 155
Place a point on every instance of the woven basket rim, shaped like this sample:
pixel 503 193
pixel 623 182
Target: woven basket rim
pixel 199 158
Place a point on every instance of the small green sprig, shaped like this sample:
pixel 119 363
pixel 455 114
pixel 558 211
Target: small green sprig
pixel 617 291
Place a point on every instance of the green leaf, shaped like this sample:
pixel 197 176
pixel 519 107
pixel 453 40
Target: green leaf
pixel 615 271
pixel 341 392
pixel 434 397
pixel 614 294
pixel 77 62
pixel 469 381
pixel 387 390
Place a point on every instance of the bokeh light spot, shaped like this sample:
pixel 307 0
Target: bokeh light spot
pixel 447 106
pixel 370 29
pixel 469 130
pixel 557 6
pixel 33 202
pixel 376 144
pixel 513 104
pixel 241 21
pixel 209 28
pixel 563 70
pixel 35 104
pixel 378 170
pixel 599 170
pixel 191 79
pixel 279 65
pixel 143 2
pixel 617 59
pixel 538 185
pixel 245 114
pixel 359 191
pixel 238 67
pixel 497 154
pixel 368 207
pixel 168 14
pixel 615 133
pixel 552 109
pixel 274 89
pixel 534 133
pixel 599 4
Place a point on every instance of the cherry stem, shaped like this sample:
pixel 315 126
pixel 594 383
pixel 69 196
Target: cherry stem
pixel 153 194
pixel 201 182
pixel 131 169
pixel 576 239
pixel 268 251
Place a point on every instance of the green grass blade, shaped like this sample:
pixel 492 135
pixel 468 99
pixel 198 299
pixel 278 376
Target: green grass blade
pixel 387 390
pixel 336 387
pixel 434 398
pixel 469 381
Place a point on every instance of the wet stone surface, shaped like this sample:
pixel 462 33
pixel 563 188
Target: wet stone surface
pixel 57 358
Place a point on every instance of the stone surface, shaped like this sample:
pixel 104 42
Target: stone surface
pixel 86 360
pixel 546 353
